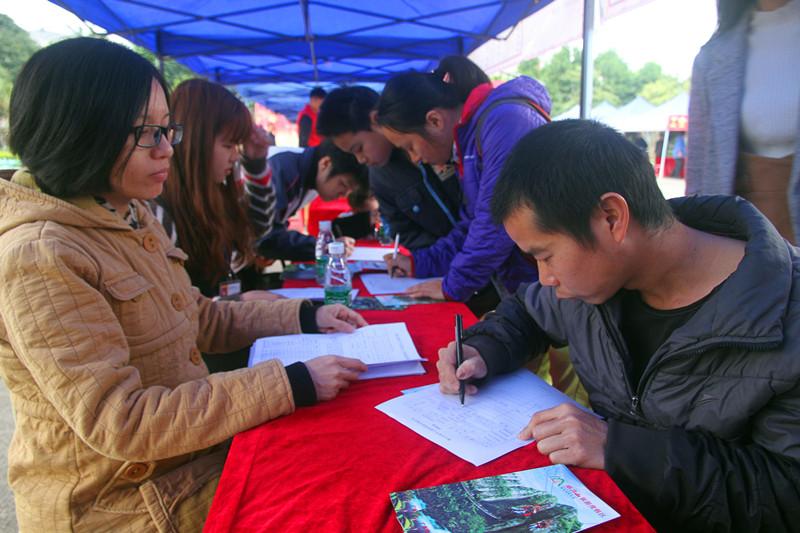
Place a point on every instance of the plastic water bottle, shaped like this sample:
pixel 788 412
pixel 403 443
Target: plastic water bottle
pixel 337 276
pixel 324 238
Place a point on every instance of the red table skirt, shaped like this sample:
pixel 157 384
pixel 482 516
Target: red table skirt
pixel 319 210
pixel 331 467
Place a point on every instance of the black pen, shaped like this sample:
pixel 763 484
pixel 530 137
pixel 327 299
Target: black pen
pixel 460 356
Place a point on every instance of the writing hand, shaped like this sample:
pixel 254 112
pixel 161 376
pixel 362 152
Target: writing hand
pixel 349 245
pixel 400 266
pixel 473 367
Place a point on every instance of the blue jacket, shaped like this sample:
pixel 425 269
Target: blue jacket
pixel 477 248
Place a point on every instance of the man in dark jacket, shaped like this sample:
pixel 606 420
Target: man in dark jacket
pixel 279 186
pixel 418 202
pixel 683 323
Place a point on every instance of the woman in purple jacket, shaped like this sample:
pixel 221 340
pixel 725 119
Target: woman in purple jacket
pixel 455 112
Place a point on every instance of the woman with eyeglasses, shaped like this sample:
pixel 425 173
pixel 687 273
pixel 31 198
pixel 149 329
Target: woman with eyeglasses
pixel 118 424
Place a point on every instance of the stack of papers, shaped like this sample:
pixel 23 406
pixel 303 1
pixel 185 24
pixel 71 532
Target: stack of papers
pixel 383 284
pixel 356 267
pixel 487 425
pixel 387 349
pixel 369 253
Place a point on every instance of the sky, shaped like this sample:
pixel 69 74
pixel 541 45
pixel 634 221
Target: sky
pixel 669 32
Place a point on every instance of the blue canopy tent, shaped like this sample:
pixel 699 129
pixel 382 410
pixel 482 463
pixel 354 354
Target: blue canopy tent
pixel 275 50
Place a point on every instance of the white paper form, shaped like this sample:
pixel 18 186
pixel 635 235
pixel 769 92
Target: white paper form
pixel 383 284
pixel 369 253
pixel 390 370
pixel 379 346
pixel 487 425
pixel 309 293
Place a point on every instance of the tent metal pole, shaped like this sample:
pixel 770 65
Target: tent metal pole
pixel 159 53
pixel 587 58
pixel 309 37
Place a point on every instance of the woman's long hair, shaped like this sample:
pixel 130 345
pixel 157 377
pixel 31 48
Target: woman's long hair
pixel 210 217
pixel 407 98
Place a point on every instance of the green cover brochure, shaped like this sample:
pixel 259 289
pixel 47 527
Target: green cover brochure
pixel 549 499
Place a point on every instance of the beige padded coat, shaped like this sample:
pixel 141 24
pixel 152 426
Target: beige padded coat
pixel 118 423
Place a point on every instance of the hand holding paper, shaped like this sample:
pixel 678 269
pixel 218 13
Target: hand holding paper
pixel 333 318
pixel 473 367
pixel 331 374
pixel 569 435
pixel 427 289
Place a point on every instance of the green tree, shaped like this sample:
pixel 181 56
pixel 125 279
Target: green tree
pixel 665 88
pixel 174 72
pixel 649 73
pixel 561 75
pixel 17 47
pixel 614 81
pixel 16 44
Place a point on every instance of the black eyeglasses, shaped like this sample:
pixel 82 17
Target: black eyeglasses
pixel 149 135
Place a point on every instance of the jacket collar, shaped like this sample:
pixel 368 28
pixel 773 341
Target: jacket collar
pixel 475 100
pixel 82 211
pixel 750 307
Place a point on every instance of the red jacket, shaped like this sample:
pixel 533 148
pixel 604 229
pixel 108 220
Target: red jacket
pixel 308 138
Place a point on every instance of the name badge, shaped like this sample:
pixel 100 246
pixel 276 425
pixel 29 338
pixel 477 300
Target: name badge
pixel 230 288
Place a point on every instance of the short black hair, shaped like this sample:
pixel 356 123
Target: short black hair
pixel 341 162
pixel 346 110
pixel 317 92
pixel 72 109
pixel 560 171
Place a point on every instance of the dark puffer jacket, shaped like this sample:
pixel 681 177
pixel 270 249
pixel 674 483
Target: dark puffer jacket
pixel 710 438
pixel 420 207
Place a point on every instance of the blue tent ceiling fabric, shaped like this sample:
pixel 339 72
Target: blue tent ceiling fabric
pixel 300 43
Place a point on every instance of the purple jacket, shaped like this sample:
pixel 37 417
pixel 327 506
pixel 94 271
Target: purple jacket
pixel 476 248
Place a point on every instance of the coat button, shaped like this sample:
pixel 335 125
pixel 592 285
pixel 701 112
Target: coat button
pixel 415 209
pixel 177 301
pixel 137 471
pixel 150 243
pixel 195 356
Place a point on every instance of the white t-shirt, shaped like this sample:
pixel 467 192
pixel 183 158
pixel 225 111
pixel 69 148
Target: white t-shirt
pixel 771 102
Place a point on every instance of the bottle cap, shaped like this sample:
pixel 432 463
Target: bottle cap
pixel 336 248
pixel 324 225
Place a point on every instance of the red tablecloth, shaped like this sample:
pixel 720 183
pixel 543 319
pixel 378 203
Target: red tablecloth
pixel 331 467
pixel 319 210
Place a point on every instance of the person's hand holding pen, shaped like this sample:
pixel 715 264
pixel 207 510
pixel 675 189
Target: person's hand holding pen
pixel 472 367
pixel 460 356
pixel 349 242
pixel 399 265
pixel 394 253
